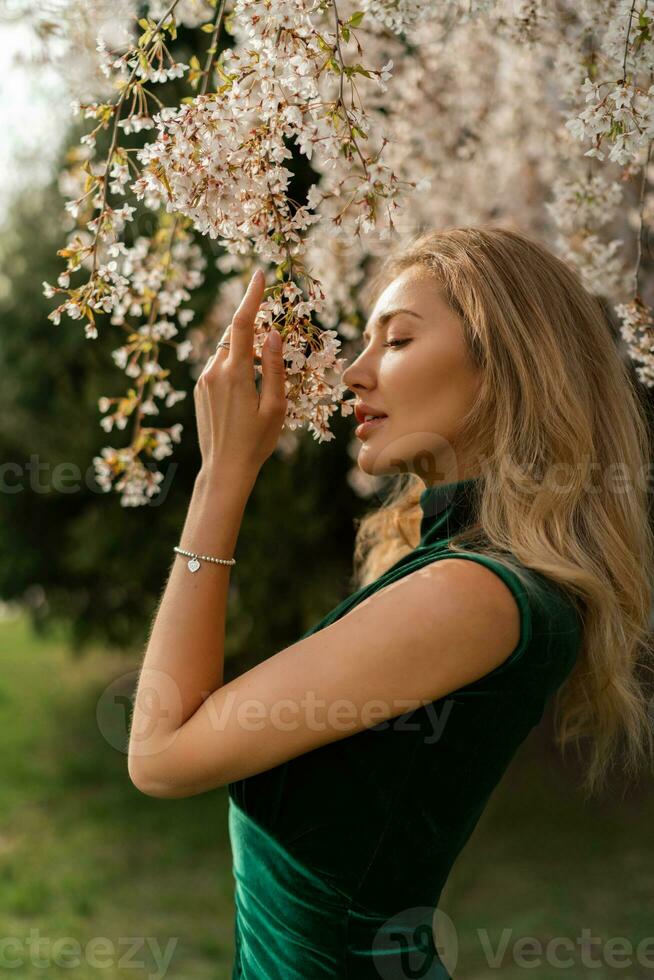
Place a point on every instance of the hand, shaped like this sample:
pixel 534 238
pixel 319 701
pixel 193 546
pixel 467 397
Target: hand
pixel 238 428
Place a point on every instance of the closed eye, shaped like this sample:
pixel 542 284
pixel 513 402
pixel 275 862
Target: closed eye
pixel 391 343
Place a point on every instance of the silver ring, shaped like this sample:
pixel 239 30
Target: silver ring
pixel 223 343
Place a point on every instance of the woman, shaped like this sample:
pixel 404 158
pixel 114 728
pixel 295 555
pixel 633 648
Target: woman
pixel 511 564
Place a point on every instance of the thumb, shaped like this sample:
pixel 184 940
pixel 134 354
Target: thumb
pixel 273 388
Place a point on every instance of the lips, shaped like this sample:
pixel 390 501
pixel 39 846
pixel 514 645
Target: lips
pixel 362 409
pixel 366 427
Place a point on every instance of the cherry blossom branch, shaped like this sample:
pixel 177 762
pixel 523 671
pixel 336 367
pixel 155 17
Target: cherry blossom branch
pixel 213 44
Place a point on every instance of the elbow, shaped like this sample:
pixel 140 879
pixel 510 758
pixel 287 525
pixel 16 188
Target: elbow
pixel 144 782
pixel 138 778
pixel 148 772
pixel 155 787
pixel 162 773
pixel 159 791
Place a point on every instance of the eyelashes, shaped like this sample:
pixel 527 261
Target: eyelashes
pixel 389 343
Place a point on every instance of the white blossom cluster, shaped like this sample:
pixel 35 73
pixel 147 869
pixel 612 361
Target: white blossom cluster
pixel 220 161
pixel 402 16
pixel 190 13
pixel 399 16
pixel 589 201
pixel 71 36
pixel 413 115
pixel 637 329
pixel 625 109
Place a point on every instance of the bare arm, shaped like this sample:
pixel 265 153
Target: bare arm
pixel 184 658
pixel 238 427
pixel 416 640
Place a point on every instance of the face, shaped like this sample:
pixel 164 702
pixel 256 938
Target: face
pixel 416 369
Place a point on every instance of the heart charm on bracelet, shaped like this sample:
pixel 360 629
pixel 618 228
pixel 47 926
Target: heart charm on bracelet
pixel 193 564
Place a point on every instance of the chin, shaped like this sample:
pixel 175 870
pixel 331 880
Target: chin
pixel 380 462
pixel 367 465
pixel 425 454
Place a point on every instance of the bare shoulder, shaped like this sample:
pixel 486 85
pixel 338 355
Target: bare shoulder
pixel 453 611
pixel 474 586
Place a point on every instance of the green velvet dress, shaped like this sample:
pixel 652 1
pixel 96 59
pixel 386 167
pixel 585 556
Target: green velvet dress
pixel 340 855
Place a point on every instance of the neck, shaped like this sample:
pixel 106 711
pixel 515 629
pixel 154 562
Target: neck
pixel 448 508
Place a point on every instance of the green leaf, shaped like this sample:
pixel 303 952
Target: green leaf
pixel 356 18
pixel 207 28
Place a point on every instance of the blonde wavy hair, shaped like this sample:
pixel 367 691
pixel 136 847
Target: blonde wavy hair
pixel 556 393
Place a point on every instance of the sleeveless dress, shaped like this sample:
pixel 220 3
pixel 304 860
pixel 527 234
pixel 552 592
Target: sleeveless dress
pixel 340 854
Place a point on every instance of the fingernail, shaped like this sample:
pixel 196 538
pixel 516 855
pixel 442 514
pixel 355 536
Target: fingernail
pixel 256 276
pixel 275 339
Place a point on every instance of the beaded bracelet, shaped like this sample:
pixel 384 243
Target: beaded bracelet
pixel 194 562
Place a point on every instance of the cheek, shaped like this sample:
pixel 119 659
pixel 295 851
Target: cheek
pixel 429 381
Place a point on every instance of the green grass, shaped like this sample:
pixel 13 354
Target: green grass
pixel 84 855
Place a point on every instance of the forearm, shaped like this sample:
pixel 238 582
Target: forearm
pixel 184 658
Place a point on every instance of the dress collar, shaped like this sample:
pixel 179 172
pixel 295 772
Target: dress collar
pixel 447 508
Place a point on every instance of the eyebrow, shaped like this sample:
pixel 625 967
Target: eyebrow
pixel 383 320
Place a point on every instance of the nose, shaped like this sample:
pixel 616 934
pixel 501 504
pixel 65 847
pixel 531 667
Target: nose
pixel 357 374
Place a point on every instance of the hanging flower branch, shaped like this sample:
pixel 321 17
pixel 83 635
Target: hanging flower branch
pixel 467 117
pixel 618 117
pixel 216 164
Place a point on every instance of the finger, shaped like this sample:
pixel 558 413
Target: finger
pixel 273 387
pixel 209 363
pixel 218 354
pixel 242 332
pixel 222 352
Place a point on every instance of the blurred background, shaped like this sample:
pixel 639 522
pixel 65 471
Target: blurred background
pixel 84 857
